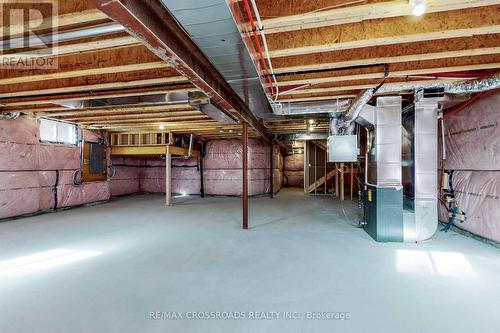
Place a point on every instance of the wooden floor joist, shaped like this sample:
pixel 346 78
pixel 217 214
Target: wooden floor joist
pixel 103 86
pixel 73 48
pixel 85 72
pixel 65 97
pixel 140 115
pixel 154 118
pixel 389 60
pixel 453 24
pixel 126 109
pixel 60 22
pixel 391 74
pixel 356 14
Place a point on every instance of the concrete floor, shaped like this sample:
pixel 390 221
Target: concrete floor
pixel 105 268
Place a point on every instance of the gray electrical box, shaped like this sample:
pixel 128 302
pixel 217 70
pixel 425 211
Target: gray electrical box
pixel 342 148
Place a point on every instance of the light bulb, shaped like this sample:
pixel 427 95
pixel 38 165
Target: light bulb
pixel 419 9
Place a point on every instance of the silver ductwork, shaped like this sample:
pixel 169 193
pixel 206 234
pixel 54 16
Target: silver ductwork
pixel 456 87
pixel 201 102
pixel 334 126
pixel 421 222
pixel 305 108
pixel 40 40
pixel 211 25
pixel 302 137
pixel 384 158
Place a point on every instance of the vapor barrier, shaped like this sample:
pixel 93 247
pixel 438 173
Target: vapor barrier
pixel 473 151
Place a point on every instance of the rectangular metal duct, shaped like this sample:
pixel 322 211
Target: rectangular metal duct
pixel 384 159
pixel 422 223
pixel 211 26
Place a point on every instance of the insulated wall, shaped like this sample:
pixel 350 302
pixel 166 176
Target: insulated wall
pixel 186 178
pixel 223 168
pixel 127 176
pixel 473 151
pixel 36 176
pixel 294 170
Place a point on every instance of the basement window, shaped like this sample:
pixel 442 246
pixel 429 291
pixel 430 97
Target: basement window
pixel 56 131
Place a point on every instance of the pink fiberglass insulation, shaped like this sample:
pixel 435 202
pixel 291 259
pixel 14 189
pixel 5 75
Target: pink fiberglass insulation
pixel 222 171
pixel 473 151
pixel 223 168
pixel 25 192
pixel 186 178
pixel 34 174
pixel 69 195
pixel 126 179
pixel 294 170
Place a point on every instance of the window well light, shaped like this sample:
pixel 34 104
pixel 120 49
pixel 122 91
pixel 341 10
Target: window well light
pixel 419 7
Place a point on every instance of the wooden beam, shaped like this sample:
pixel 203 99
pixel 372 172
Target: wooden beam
pixel 103 86
pixel 156 28
pixel 453 24
pixel 84 72
pixel 390 60
pixel 315 98
pixel 149 150
pixel 359 87
pixel 389 54
pixel 72 48
pixel 165 119
pixel 113 110
pixel 321 181
pixel 65 97
pixel 392 74
pixel 355 14
pixel 140 115
pixel 69 19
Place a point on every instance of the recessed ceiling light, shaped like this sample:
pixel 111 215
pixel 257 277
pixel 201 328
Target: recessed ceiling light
pixel 419 7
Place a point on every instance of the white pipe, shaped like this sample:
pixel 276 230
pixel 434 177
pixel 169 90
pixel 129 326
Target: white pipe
pixel 264 41
pixel 33 41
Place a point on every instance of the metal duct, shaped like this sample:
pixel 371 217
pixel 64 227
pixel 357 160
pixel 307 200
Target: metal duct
pixel 351 129
pixel 334 126
pixel 47 39
pixel 384 158
pixel 302 137
pixel 200 101
pixel 304 108
pixel 456 87
pixel 357 105
pixel 421 222
pixel 210 24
